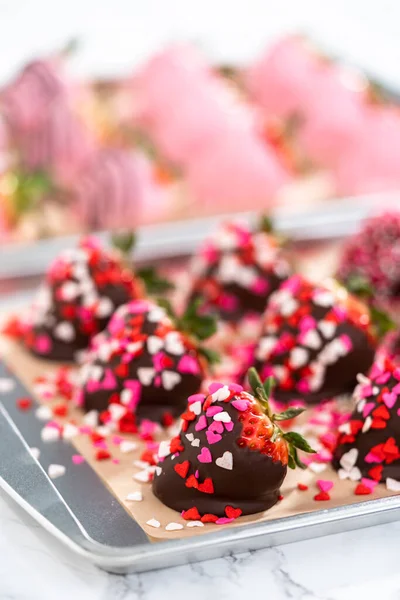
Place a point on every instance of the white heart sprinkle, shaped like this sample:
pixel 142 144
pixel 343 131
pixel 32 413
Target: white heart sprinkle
pixel 164 449
pixel 194 524
pixel 64 331
pixel 221 394
pixel 35 452
pixel 349 459
pixel 345 428
pixel 392 485
pixel 225 461
pixel 189 436
pixel 135 497
pixel 126 396
pixel 195 407
pixel 317 467
pixel 156 315
pixel 323 298
pixel 103 430
pixel 142 476
pixel 298 357
pixel 91 418
pixel 170 379
pixel 146 375
pixel 127 446
pixel 173 526
pixel 367 424
pixel 153 523
pixel 327 328
pixel 196 443
pixel 355 474
pixel 223 416
pixel 49 434
pixel 158 470
pixel 55 471
pixel 104 307
pixel 69 431
pixel 173 343
pixel 43 413
pixel 69 290
pixel 154 344
pixel 6 385
pixel 117 411
pixel 289 307
pixel 265 347
pixel 312 339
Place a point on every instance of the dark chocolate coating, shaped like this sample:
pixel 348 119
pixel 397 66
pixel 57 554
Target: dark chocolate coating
pixel 364 442
pixel 155 401
pixel 252 485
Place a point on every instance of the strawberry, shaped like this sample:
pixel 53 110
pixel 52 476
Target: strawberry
pixel 373 451
pixel 236 270
pixel 145 363
pixel 315 340
pixel 231 456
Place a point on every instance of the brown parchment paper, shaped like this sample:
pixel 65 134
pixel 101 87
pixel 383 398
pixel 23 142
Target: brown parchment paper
pixel 118 477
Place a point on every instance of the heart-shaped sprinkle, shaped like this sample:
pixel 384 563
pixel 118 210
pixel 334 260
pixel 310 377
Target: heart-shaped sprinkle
pixel 207 487
pixel 312 340
pixel 223 521
pixel 127 446
pixel 223 417
pixel 225 461
pixel 135 497
pixel 50 434
pixel 190 437
pixel 368 406
pixel 205 456
pixel 191 482
pixel 64 331
pixel 322 497
pixel 146 375
pixel 229 426
pixel 327 328
pixel 182 468
pixel 240 405
pixel 392 485
pixel 91 418
pixel 43 413
pixel 232 513
pixel 221 394
pixel 349 459
pixel 194 524
pixel 195 407
pixel 196 442
pixel 117 411
pixel 317 467
pixel 69 431
pixel 153 523
pixel 35 452
pixel 216 427
pixel 325 485
pixel 55 471
pixel 298 357
pixel 154 344
pixel 173 526
pixel 389 399
pixel 213 438
pixel 142 476
pixel 191 514
pixel 201 423
pixel 213 410
pixel 170 379
pixel 173 343
pixel 6 385
pixel 156 315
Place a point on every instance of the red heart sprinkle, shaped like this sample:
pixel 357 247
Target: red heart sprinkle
pixel 376 472
pixel 121 371
pixel 207 486
pixel 102 454
pixel 362 490
pixel 322 497
pixel 191 482
pixel 60 410
pixel 209 518
pixel 192 514
pixel 182 468
pixel 148 456
pixel 167 419
pixel 24 403
pixel 232 513
pixel 302 486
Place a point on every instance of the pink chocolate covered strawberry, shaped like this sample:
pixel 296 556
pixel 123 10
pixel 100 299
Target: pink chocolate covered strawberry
pixel 316 339
pixel 144 364
pixel 230 457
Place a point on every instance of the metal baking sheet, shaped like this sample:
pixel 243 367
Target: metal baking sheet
pixel 83 514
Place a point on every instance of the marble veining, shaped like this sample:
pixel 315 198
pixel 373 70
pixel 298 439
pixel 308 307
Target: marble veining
pixel 357 564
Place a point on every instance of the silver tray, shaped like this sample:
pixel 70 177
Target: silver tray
pixel 82 513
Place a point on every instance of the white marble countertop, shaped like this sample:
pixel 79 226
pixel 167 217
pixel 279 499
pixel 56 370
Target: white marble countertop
pixel 355 565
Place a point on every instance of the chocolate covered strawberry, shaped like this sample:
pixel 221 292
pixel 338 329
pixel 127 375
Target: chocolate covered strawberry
pixel 83 287
pixel 315 340
pixel 230 457
pixel 144 364
pixel 236 271
pixel 369 442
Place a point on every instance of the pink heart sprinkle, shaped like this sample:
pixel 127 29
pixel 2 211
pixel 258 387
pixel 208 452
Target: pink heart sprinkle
pixel 115 461
pixel 196 398
pixel 189 364
pixel 389 399
pixel 372 458
pixel 217 427
pixel 325 485
pixel 367 409
pixel 100 444
pixel 240 405
pixel 384 378
pixel 213 410
pixel 201 423
pixel 396 374
pixel 205 456
pixel 213 438
pixel 235 387
pixel 369 483
pixel 197 474
pixel 229 426
pixel 116 440
pixel 213 387
pixel 109 382
pixel 224 521
pixel 77 459
pixel 396 389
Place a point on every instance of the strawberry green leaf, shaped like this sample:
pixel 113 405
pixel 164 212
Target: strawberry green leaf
pixel 153 282
pixel 297 460
pixel 256 384
pixel 196 323
pixel 268 386
pixel 291 462
pixel 382 321
pixel 290 413
pixel 298 441
pixel 210 356
pixel 266 224
pixel 167 306
pixel 124 241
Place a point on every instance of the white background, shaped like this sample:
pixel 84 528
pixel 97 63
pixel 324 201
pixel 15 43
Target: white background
pixel 115 35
